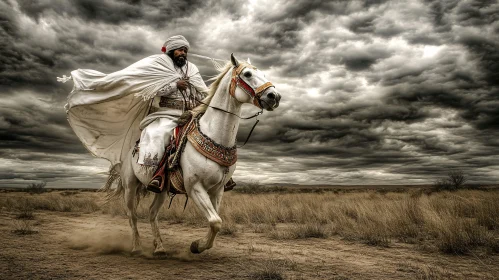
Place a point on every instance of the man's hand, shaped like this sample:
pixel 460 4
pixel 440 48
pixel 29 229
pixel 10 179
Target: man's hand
pixel 182 84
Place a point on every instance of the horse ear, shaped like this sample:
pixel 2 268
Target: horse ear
pixel 248 60
pixel 234 60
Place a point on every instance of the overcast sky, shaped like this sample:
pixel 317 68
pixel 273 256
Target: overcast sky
pixel 373 92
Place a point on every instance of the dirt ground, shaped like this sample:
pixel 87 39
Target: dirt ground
pixel 97 246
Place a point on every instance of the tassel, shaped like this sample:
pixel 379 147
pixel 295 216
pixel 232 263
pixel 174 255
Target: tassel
pixel 219 64
pixel 63 79
pixel 145 96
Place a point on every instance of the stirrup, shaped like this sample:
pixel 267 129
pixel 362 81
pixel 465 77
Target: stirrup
pixel 155 185
pixel 158 179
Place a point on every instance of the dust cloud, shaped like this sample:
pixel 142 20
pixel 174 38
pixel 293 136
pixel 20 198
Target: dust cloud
pixel 101 241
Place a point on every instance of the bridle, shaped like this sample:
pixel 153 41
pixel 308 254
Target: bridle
pixel 237 81
pixel 255 94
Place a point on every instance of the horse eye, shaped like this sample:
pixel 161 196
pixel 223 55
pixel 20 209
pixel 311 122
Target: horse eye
pixel 247 74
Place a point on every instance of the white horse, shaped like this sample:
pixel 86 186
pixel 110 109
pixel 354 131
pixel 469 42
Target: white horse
pixel 204 179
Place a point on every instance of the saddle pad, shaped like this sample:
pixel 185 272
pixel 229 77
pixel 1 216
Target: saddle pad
pixel 174 150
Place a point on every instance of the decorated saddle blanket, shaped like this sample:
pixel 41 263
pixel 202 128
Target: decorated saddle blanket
pixel 225 156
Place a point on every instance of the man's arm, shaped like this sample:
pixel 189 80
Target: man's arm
pixel 167 89
pixel 172 87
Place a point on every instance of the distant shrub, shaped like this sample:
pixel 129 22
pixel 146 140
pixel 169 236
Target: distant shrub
pixel 255 188
pixel 69 193
pixel 36 187
pixel 455 180
pixel 442 184
pixel 25 211
pixel 23 227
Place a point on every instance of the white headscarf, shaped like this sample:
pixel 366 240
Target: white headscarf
pixel 175 42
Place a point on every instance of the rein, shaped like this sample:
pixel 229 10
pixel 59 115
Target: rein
pixel 222 110
pixel 247 118
pixel 255 94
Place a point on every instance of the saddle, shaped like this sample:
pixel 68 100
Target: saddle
pixel 169 166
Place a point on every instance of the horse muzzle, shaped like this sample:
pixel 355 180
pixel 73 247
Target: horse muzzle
pixel 270 99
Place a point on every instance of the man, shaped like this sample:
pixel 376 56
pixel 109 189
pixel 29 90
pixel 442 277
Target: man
pixel 174 98
pixel 108 112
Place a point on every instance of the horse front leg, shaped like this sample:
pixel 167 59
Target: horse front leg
pixel 159 200
pixel 204 203
pixel 216 197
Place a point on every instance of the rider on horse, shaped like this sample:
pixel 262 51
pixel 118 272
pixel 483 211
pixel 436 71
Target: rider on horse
pixel 107 115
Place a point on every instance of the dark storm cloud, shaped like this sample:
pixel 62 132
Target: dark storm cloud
pixel 423 38
pixel 486 51
pixel 362 24
pixel 439 14
pixel 31 54
pixel 60 36
pixel 477 13
pixel 91 10
pixel 373 91
pixel 156 13
pixel 18 66
pixel 34 124
pixel 357 60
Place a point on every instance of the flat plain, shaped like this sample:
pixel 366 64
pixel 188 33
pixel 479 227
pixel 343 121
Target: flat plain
pixel 310 234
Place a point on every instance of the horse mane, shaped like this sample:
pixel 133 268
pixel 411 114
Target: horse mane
pixel 186 116
pixel 213 88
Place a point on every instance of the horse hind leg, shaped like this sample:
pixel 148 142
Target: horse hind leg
pixel 131 206
pixel 204 202
pixel 131 184
pixel 159 200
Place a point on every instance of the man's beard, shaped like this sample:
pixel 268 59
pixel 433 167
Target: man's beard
pixel 180 61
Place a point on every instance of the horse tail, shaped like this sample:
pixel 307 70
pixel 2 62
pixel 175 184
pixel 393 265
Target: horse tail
pixel 114 177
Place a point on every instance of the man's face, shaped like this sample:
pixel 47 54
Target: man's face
pixel 180 56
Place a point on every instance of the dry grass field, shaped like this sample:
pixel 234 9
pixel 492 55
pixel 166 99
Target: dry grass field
pixel 279 235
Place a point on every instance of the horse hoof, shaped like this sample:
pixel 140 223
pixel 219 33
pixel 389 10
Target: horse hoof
pixel 195 247
pixel 159 253
pixel 136 252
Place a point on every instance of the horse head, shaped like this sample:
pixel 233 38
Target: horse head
pixel 249 85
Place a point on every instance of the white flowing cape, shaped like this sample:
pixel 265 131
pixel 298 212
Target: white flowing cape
pixel 105 110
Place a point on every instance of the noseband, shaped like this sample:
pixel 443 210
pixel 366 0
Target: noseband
pixel 236 81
